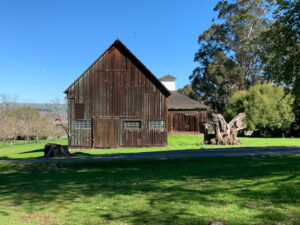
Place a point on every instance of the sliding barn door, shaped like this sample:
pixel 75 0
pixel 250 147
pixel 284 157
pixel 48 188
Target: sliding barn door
pixel 106 132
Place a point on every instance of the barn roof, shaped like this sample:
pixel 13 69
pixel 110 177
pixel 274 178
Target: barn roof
pixel 167 77
pixel 118 44
pixel 180 101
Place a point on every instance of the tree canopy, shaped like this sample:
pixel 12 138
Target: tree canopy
pixel 188 91
pixel 282 46
pixel 267 107
pixel 24 122
pixel 229 53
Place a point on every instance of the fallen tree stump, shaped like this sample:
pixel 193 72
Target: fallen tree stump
pixel 222 133
pixel 56 150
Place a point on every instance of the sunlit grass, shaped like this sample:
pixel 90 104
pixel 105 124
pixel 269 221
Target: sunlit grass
pixel 33 150
pixel 29 150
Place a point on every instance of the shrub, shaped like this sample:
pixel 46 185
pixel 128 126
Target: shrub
pixel 267 108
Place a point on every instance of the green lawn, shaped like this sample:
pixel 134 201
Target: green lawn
pixel 244 190
pixel 33 150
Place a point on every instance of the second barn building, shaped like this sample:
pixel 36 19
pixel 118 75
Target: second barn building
pixel 117 102
pixel 185 114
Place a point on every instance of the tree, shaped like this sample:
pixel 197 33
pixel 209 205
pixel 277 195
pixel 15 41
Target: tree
pixel 9 127
pixel 282 49
pixel 224 133
pixel 221 79
pixel 7 102
pixel 267 108
pixel 8 123
pixel 188 91
pixel 229 54
pixel 26 117
pixel 282 45
pixel 53 130
pixel 25 121
pixel 58 118
pixel 40 127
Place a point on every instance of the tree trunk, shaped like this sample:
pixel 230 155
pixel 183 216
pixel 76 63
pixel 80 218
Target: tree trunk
pixel 56 150
pixel 223 133
pixel 25 140
pixel 37 138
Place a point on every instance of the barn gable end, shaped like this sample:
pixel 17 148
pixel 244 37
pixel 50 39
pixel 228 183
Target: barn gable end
pixel 117 91
pixel 117 61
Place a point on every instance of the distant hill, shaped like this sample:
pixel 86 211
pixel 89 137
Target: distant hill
pixel 47 107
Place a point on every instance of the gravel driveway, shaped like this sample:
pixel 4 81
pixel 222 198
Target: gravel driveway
pixel 244 151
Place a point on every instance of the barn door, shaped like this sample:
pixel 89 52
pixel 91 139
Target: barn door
pixel 106 132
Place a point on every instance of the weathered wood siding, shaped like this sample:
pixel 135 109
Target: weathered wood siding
pixel 187 121
pixel 115 87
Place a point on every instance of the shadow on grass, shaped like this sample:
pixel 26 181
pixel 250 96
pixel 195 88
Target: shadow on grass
pixel 39 150
pixel 74 154
pixel 79 154
pixel 33 151
pixel 169 186
pixel 4 158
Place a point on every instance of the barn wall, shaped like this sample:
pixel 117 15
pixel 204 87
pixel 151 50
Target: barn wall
pixel 187 121
pixel 115 87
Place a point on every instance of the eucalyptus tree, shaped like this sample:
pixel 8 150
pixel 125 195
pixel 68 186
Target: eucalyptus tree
pixel 282 45
pixel 188 91
pixel 282 49
pixel 229 53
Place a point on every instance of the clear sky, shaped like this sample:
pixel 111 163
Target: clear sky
pixel 46 44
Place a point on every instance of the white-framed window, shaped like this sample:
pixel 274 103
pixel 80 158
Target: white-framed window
pixel 83 124
pixel 132 124
pixel 157 124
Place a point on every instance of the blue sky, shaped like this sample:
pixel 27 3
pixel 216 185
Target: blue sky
pixel 46 44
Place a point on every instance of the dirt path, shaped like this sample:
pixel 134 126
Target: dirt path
pixel 245 151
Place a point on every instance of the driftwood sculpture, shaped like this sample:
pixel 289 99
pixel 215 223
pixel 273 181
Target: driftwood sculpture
pixel 222 133
pixel 55 150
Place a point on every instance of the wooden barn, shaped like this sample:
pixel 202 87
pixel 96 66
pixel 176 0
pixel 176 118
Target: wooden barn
pixel 185 115
pixel 117 102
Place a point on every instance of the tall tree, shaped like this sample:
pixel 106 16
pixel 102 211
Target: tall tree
pixel 229 54
pixel 188 91
pixel 282 45
pixel 282 49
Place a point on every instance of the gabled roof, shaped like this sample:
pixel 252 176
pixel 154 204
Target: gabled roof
pixel 167 77
pixel 180 101
pixel 118 44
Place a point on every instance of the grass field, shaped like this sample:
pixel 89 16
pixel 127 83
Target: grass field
pixel 33 150
pixel 244 190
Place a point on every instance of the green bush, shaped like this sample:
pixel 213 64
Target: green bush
pixel 267 108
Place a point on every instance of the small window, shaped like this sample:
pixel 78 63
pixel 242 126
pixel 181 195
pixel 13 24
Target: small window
pixel 132 124
pixel 83 124
pixel 157 124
